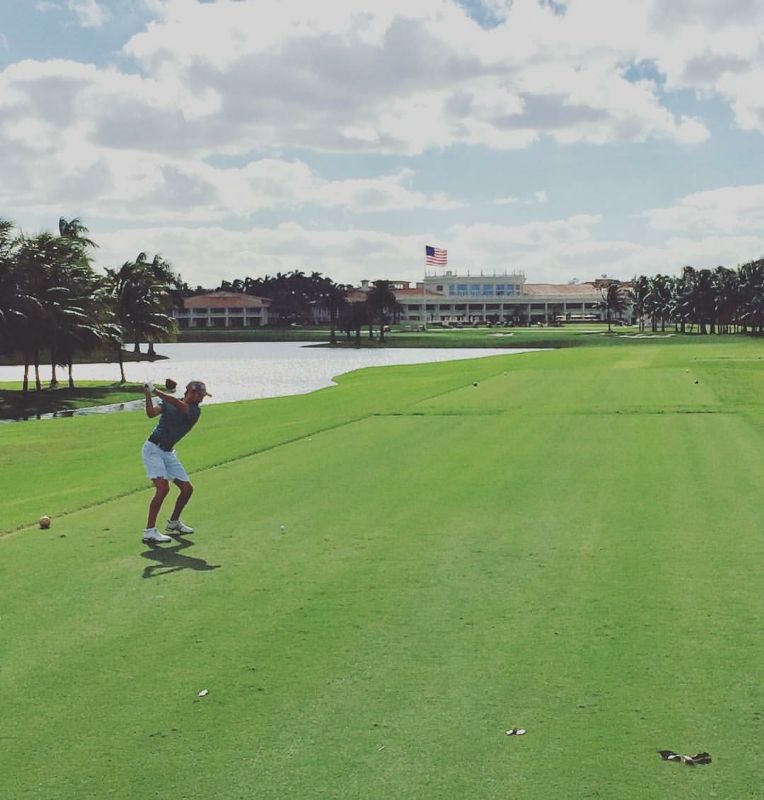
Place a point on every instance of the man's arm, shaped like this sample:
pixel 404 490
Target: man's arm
pixel 151 409
pixel 172 400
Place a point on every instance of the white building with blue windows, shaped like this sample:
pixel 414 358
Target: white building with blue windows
pixel 448 298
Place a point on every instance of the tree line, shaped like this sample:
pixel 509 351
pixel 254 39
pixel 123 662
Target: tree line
pixel 720 300
pixel 55 306
pixel 295 297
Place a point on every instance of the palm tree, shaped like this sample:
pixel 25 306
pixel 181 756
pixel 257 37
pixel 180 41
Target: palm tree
pixel 36 259
pixel 699 288
pixel 659 301
pixel 751 282
pixel 75 231
pixel 381 300
pixel 639 294
pixel 726 298
pixel 614 300
pixel 165 276
pixel 141 304
pixel 353 316
pixel 73 309
pixel 333 299
pixel 17 305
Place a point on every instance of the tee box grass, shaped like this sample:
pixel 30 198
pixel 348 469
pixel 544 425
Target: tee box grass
pixel 387 575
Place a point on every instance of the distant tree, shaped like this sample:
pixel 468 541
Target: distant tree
pixel 751 302
pixel 382 305
pixel 166 283
pixel 640 289
pixel 141 303
pixel 18 306
pixel 614 300
pixel 333 299
pixel 726 298
pixel 659 301
pixel 75 231
pixel 353 317
pixel 77 307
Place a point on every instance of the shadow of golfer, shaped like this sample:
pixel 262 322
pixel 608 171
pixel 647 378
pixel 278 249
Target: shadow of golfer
pixel 170 560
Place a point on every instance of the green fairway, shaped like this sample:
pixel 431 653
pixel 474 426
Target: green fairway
pixel 390 573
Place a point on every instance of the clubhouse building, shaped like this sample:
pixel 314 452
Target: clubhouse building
pixel 223 310
pixel 452 299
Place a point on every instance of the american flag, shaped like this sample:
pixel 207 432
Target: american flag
pixel 435 255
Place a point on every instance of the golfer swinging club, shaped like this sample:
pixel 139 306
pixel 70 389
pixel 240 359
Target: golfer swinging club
pixel 177 417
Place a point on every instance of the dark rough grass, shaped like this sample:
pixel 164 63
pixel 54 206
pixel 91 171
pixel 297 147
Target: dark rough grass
pixel 14 404
pixel 571 546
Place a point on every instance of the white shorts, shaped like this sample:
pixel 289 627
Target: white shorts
pixel 161 464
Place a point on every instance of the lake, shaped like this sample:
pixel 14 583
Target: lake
pixel 251 370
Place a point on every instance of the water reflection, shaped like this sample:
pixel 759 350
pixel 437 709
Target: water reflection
pixel 130 405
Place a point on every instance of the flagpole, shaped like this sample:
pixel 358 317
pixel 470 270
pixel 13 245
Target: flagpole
pixel 424 295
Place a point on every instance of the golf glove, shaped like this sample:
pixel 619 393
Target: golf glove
pixel 149 387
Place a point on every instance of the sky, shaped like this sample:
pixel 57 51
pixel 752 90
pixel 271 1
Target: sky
pixel 565 139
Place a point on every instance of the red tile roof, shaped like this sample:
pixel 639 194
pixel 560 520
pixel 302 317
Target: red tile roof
pixel 226 300
pixel 558 289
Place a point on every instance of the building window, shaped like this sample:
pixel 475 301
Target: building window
pixel 461 289
pixel 488 289
pixel 475 290
pixel 201 311
pixel 218 311
pixel 451 289
pixel 500 289
pixel 439 289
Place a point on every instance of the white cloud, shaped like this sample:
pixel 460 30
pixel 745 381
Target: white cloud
pixel 550 251
pixel 262 80
pixel 554 250
pixel 404 77
pixel 208 255
pixel 537 197
pixel 423 75
pixel 88 12
pixel 729 209
pixel 46 168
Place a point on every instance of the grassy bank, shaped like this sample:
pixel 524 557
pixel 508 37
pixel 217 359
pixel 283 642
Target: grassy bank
pixel 388 574
pixel 15 405
pixel 564 336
